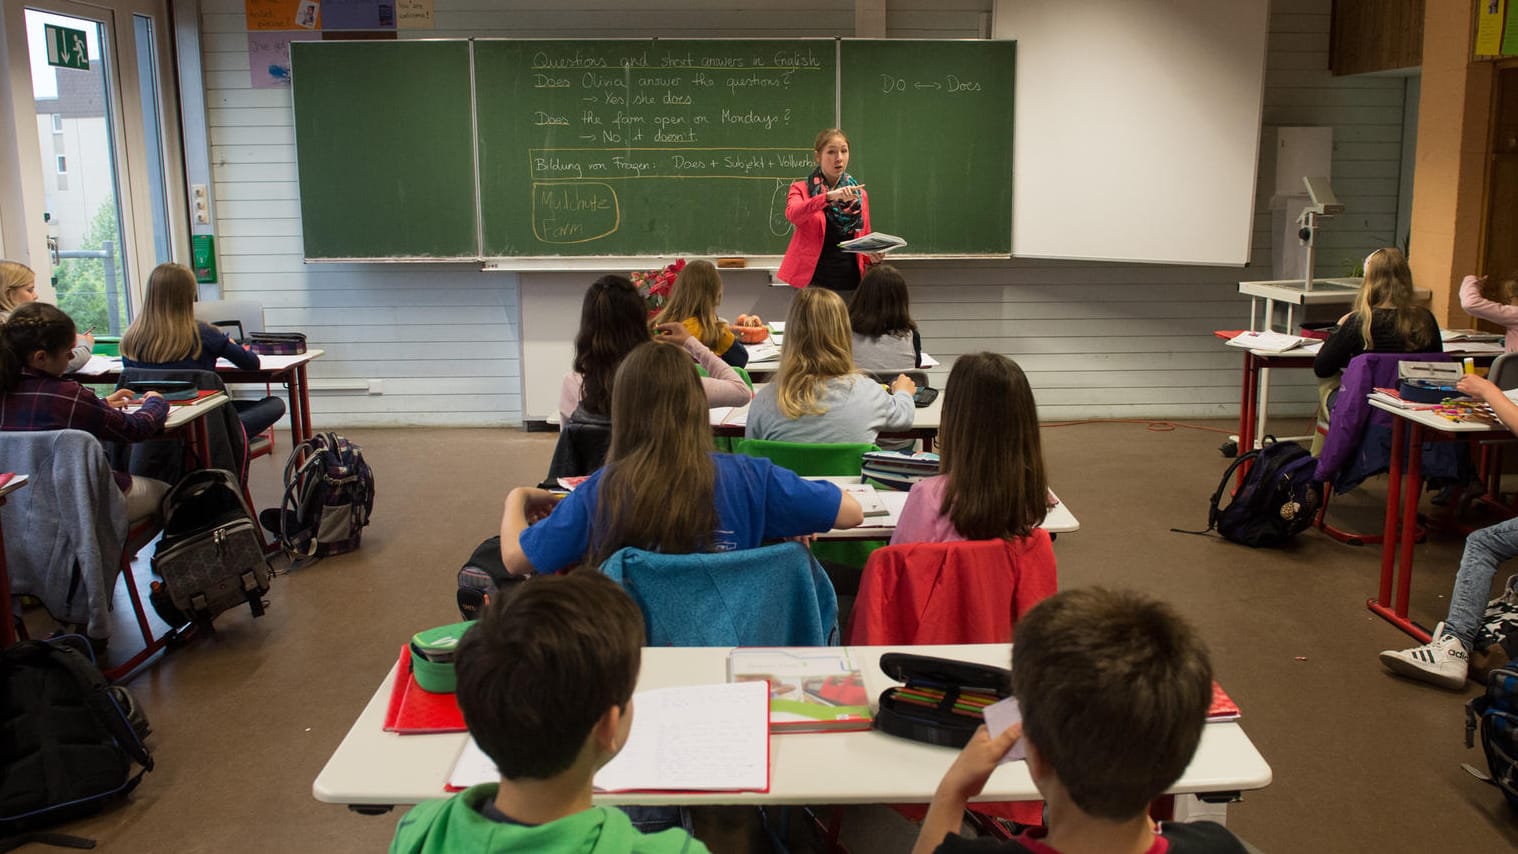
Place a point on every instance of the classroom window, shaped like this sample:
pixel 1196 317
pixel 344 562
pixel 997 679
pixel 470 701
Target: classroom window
pixel 63 165
pixel 57 123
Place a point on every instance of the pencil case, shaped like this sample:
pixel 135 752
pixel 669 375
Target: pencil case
pixel 941 698
pixel 432 657
pixel 277 343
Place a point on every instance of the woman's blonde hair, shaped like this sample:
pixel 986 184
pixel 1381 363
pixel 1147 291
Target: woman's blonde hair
pixel 166 329
pixel 14 276
pixel 825 136
pixel 1388 283
pixel 696 293
pixel 819 345
pixel 658 489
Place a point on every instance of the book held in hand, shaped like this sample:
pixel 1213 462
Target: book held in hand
pixel 875 241
pixel 810 690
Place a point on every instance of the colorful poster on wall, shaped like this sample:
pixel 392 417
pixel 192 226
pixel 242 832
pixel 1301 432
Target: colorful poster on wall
pixel 358 14
pixel 1489 27
pixel 269 56
pixel 274 15
pixel 414 14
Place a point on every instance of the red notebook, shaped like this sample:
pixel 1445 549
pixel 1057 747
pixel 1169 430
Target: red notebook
pixel 1223 707
pixel 413 711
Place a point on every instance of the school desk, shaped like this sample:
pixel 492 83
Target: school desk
pixel 373 770
pixel 289 371
pixel 731 421
pixel 1410 429
pixel 764 359
pixel 1059 520
pixel 7 619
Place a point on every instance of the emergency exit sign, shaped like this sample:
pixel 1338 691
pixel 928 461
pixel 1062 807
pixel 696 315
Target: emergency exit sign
pixel 66 48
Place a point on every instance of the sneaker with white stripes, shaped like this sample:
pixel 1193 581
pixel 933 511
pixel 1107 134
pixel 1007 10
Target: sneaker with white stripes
pixel 1442 661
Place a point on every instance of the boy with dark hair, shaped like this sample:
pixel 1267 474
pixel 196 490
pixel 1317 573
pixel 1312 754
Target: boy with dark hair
pixel 1114 689
pixel 545 681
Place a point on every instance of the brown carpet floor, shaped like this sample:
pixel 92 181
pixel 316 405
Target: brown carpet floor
pixel 1363 760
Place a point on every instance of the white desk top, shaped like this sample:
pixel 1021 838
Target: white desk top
pixel 380 768
pixel 1059 520
pixel 181 414
pixel 110 366
pixel 1427 418
pixel 927 418
pixel 15 483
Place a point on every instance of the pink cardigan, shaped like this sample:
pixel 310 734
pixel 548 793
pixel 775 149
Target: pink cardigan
pixel 808 215
pixel 1477 305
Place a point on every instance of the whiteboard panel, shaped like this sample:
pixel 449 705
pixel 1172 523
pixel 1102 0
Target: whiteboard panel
pixel 1138 127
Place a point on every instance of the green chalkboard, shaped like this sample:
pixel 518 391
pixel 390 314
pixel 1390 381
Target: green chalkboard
pixel 930 126
pixel 385 150
pixel 646 147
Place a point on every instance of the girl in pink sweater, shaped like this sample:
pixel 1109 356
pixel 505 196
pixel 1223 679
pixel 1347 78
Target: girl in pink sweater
pixel 1494 301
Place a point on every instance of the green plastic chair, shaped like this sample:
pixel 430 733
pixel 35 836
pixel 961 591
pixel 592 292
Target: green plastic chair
pixel 809 459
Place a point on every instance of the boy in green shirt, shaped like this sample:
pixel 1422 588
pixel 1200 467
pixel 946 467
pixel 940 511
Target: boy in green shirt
pixel 545 681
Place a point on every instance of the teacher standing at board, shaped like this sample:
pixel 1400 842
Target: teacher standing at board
pixel 826 208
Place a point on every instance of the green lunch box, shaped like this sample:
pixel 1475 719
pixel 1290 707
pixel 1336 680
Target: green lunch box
pixel 107 345
pixel 432 657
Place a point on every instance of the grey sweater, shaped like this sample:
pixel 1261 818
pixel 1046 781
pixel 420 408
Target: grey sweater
pixel 857 408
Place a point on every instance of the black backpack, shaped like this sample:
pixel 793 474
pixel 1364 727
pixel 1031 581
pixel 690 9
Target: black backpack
pixel 211 557
pixel 1277 500
pixel 329 495
pixel 1495 714
pixel 483 578
pixel 68 740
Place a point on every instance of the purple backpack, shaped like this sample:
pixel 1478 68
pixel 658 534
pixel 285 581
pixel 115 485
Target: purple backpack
pixel 329 494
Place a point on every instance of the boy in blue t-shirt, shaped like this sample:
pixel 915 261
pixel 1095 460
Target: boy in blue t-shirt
pixel 545 681
pixel 1114 689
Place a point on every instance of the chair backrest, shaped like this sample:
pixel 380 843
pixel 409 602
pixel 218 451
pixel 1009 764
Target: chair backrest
pixel 67 526
pixel 246 316
pixel 771 596
pixel 1351 414
pixel 971 591
pixel 1504 371
pixel 163 458
pixel 583 443
pixel 809 459
pixel 888 377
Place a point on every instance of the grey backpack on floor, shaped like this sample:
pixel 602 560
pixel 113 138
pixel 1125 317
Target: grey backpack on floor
pixel 329 494
pixel 211 557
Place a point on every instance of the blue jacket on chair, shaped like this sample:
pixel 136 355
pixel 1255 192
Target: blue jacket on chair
pixel 771 596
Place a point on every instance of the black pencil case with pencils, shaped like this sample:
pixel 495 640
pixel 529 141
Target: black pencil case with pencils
pixel 939 704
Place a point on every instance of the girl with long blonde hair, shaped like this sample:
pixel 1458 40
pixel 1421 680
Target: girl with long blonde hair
pixel 165 334
pixel 663 487
pixel 818 396
pixel 1386 317
pixel 693 302
pixel 18 286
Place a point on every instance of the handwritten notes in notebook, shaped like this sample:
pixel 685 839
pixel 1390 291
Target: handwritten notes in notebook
pixel 711 738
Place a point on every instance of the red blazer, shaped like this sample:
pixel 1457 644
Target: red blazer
pixel 807 214
pixel 962 592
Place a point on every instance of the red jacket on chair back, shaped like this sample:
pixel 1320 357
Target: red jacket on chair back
pixel 961 592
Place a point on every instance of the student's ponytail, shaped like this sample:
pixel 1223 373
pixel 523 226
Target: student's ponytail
pixel 32 327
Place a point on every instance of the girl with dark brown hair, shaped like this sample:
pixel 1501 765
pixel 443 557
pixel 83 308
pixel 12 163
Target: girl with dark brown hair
pixel 992 483
pixel 663 487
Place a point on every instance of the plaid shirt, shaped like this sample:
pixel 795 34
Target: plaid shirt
pixel 43 402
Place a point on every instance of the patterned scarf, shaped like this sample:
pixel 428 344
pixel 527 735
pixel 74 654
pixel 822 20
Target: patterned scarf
pixel 848 216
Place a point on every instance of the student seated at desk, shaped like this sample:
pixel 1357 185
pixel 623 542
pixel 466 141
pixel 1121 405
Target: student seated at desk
pixel 614 320
pixel 885 336
pixel 664 488
pixel 18 286
pixel 818 396
pixel 1114 689
pixel 35 345
pixel 165 334
pixel 991 484
pixel 1445 659
pixel 693 301
pixel 545 682
pixel 1496 301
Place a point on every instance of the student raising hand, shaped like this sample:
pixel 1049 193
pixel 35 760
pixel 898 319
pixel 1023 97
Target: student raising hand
pixel 672 333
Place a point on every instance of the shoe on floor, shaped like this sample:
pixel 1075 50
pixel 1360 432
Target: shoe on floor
pixel 1442 661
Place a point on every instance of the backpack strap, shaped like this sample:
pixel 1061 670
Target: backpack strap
pixel 1217 496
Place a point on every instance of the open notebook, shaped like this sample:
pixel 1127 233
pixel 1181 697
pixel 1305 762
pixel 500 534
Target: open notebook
pixel 698 738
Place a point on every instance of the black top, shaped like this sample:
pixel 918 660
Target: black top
pixel 836 269
pixel 1197 837
pixel 1345 343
